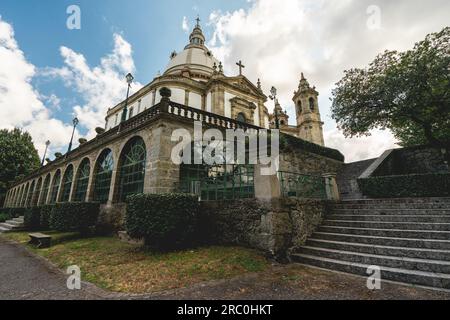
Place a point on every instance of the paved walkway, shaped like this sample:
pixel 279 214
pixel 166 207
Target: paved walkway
pixel 25 276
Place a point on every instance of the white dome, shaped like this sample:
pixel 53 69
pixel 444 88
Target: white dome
pixel 195 58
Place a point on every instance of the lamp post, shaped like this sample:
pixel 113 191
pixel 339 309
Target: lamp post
pixel 75 122
pixel 273 96
pixel 47 143
pixel 130 79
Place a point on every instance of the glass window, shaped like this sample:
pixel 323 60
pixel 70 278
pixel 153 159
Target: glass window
pixel 55 186
pixel 37 193
pixel 132 168
pixel 29 195
pixel 103 174
pixel 45 188
pixel 84 173
pixel 241 117
pixel 67 184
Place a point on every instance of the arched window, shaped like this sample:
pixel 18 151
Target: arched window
pixel 45 187
pixel 30 195
pixel 67 184
pixel 241 117
pixel 312 104
pixel 82 181
pixel 55 186
pixel 132 169
pixel 37 193
pixel 103 174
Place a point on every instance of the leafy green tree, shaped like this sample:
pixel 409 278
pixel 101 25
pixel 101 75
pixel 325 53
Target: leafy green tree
pixel 18 157
pixel 406 92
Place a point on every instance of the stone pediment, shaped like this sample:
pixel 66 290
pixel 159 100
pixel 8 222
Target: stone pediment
pixel 243 84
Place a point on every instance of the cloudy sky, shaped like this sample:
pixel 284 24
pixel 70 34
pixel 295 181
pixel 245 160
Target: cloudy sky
pixel 50 73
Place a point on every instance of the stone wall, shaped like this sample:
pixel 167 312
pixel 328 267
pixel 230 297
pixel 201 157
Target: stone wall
pixel 413 160
pixel 276 227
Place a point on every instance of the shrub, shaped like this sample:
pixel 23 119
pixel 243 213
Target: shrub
pixel 288 141
pixel 4 216
pixel 16 212
pixel 46 212
pixel 74 216
pixel 165 221
pixel 415 185
pixel 32 218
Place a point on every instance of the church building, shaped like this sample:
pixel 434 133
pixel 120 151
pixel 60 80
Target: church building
pixel 132 153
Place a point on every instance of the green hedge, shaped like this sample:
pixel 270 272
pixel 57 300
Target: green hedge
pixel 74 216
pixel 46 212
pixel 14 212
pixel 32 218
pixel 4 217
pixel 288 141
pixel 165 221
pixel 416 185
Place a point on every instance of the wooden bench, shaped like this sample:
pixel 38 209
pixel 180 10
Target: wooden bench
pixel 40 240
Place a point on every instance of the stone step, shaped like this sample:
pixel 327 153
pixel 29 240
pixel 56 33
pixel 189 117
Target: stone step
pixel 430 279
pixel 392 206
pixel 14 223
pixel 438 266
pixel 417 234
pixel 391 218
pixel 388 201
pixel 376 211
pixel 420 253
pixel 389 225
pixel 19 219
pixel 10 226
pixel 3 229
pixel 386 241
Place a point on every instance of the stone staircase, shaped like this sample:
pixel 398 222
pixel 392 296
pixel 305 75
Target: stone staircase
pixel 15 224
pixel 409 239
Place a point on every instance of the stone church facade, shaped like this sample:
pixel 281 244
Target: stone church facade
pixel 134 155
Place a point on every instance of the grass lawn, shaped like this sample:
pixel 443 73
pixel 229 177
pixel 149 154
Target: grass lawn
pixel 122 267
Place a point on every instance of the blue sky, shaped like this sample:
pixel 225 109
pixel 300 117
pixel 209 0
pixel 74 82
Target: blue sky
pixel 49 73
pixel 152 27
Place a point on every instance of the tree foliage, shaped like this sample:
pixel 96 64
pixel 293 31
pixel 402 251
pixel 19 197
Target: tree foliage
pixel 18 157
pixel 406 92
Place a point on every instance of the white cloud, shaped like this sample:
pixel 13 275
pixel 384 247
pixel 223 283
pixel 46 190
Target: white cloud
pixel 185 24
pixel 100 87
pixel 20 104
pixel 277 40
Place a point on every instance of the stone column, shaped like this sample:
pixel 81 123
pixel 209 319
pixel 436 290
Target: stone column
pixel 90 188
pixel 266 187
pixel 161 174
pixel 115 179
pixel 331 187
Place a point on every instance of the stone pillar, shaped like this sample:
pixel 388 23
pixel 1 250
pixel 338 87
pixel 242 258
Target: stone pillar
pixel 331 187
pixel 266 187
pixel 161 174
pixel 115 179
pixel 90 188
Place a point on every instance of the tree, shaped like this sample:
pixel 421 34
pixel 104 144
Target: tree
pixel 18 157
pixel 406 92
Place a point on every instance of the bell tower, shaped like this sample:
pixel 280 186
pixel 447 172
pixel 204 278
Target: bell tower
pixel 309 123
